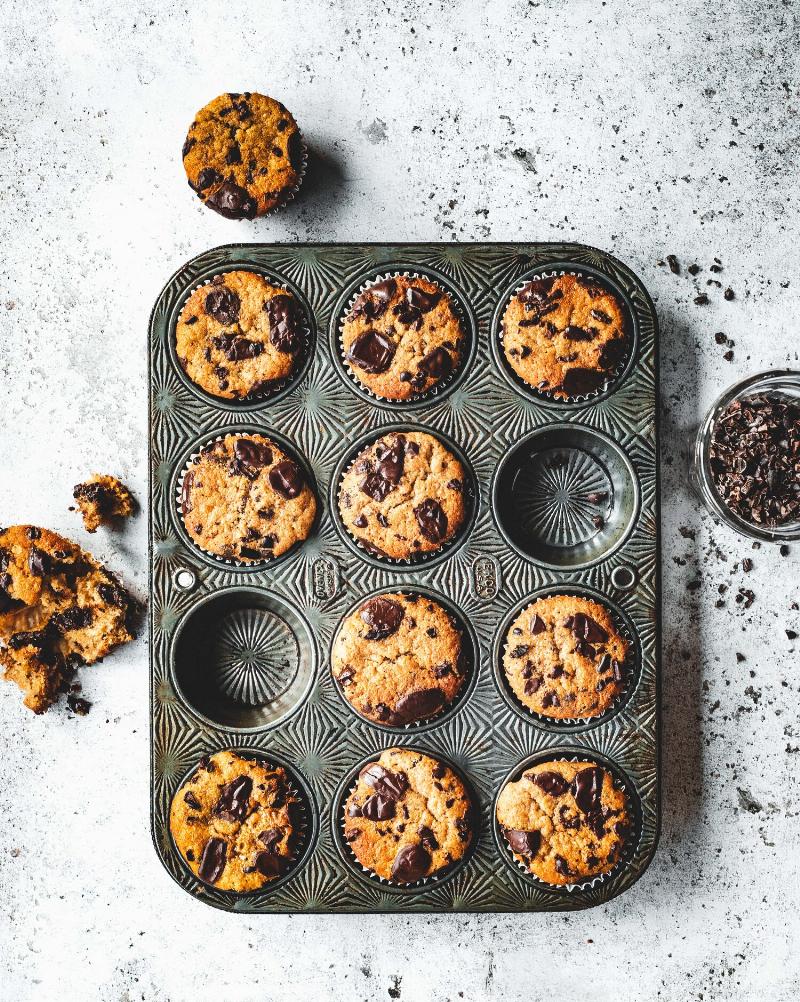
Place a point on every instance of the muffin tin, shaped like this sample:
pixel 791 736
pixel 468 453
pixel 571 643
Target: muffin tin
pixel 240 654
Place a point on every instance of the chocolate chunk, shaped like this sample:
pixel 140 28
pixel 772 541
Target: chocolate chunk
pixel 212 862
pixel 418 704
pixel 612 353
pixel 536 292
pixel 427 837
pixel 233 202
pixel 587 787
pixel 520 651
pixel 192 801
pixel 379 807
pixel 234 155
pixel 270 864
pixel 74 618
pixel 391 460
pixel 410 863
pixel 223 305
pixel 371 351
pixel 234 799
pixel 436 364
pixel 585 628
pixel 579 381
pixel 562 866
pixel 674 267
pixel 373 302
pixel 254 454
pixel 551 782
pixel 421 300
pixel 285 323
pixel 604 318
pixel 383 616
pixel 39 562
pixel 533 685
pixel 384 781
pixel 538 625
pixel 523 843
pixel 206 178
pixel 578 334
pixel 432 520
pixel 286 478
pixel 78 705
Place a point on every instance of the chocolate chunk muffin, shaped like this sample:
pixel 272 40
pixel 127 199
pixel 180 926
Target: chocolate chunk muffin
pixel 235 822
pixel 243 155
pixel 101 499
pixel 564 335
pixel 564 657
pixel 402 336
pixel 565 821
pixel 398 659
pixel 59 609
pixel 409 817
pixel 244 499
pixel 239 336
pixel 404 496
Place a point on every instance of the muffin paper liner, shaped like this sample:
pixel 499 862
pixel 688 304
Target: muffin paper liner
pixel 230 561
pixel 438 388
pixel 467 679
pixel 433 878
pixel 628 845
pixel 610 374
pixel 630 664
pixel 300 835
pixel 471 496
pixel 301 359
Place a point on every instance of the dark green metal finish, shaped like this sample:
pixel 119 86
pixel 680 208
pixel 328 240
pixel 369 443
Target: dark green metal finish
pixel 486 414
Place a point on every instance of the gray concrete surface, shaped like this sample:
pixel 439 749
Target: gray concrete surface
pixel 644 128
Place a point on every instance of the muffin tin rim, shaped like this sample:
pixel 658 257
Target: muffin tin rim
pixel 433 557
pixel 543 429
pixel 523 389
pixel 206 599
pixel 444 716
pixel 433 396
pixel 182 464
pixel 292 381
pixel 566 727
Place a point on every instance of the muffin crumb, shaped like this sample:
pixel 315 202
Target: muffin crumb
pixel 101 499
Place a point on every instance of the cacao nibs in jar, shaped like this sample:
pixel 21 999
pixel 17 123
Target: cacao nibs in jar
pixel 755 459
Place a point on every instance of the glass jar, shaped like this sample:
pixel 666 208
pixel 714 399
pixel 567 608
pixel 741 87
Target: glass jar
pixel 779 383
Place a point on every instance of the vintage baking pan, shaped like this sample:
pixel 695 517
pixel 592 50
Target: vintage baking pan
pixel 239 656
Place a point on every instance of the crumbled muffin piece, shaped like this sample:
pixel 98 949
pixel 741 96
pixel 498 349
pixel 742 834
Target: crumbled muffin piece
pixel 102 498
pixel 59 608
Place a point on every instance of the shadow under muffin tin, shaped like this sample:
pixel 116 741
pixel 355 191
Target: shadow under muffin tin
pixel 563 495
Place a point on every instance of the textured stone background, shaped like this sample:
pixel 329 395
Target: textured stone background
pixel 643 128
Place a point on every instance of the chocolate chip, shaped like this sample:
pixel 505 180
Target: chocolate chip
pixel 384 781
pixel 285 323
pixel 234 155
pixel 538 625
pixel 286 478
pixel 579 381
pixel 233 202
pixel 371 351
pixel 432 520
pixel 212 862
pixel 254 454
pixel 410 863
pixel 234 799
pixel 379 807
pixel 223 305
pixel 383 616
pixel 522 842
pixel 436 364
pixel 551 782
pixel 192 801
pixel 587 788
pixel 361 521
pixel 206 178
pixel 419 704
pixel 373 302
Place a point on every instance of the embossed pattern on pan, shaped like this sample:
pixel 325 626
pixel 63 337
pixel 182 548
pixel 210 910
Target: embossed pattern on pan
pixel 485 415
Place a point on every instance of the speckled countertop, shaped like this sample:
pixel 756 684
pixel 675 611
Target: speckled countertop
pixel 646 129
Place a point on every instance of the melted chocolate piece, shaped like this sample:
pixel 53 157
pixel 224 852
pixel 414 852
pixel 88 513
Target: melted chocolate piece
pixel 585 628
pixel 578 334
pixel 523 843
pixel 206 178
pixel 587 787
pixel 287 479
pixel 578 382
pixel 254 454
pixel 285 323
pixel 270 864
pixel 538 625
pixel 74 618
pixel 371 351
pixel 383 616
pixel 212 862
pixel 233 202
pixel 427 837
pixel 552 783
pixel 418 704
pixel 379 807
pixel 39 562
pixel 410 863
pixel 536 292
pixel 234 799
pixel 192 801
pixel 432 520
pixel 374 301
pixel 436 364
pixel 604 318
pixel 612 353
pixel 384 781
pixel 223 305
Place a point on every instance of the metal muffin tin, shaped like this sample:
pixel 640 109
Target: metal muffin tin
pixel 240 655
